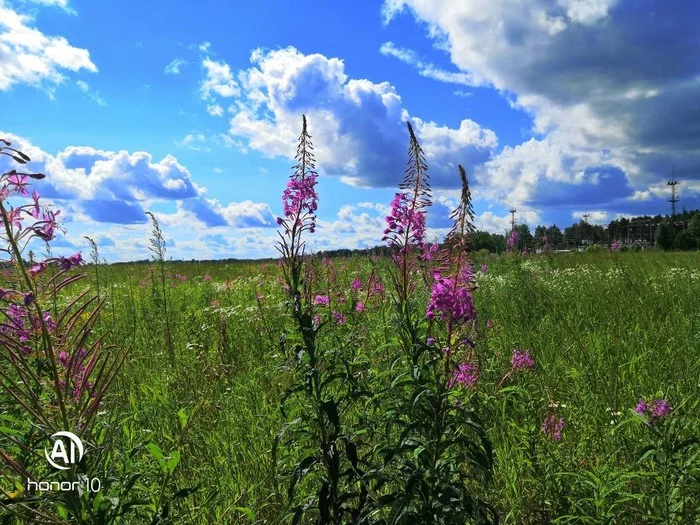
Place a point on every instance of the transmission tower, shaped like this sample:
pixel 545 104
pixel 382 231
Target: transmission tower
pixel 512 219
pixel 674 196
pixel 585 217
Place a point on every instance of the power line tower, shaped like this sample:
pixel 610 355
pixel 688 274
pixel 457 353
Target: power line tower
pixel 512 219
pixel 586 216
pixel 674 196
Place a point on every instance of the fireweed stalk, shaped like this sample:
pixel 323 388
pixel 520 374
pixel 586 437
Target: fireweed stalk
pixel 53 371
pixel 442 455
pixel 324 381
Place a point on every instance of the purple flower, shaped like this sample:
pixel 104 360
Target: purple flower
pixel 490 324
pixel 66 263
pixel 466 374
pixel 655 409
pixel 513 239
pixel 451 299
pixel 403 217
pixel 50 323
pixel 339 317
pixel 300 200
pixel 28 298
pixel 360 307
pixel 553 426
pixel 430 341
pixel 521 359
pixel 430 251
pixel 661 408
pixel 641 407
pixel 322 300
pixel 36 269
pixel 484 268
pixel 356 284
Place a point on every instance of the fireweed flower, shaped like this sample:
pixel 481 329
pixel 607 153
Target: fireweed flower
pixel 451 299
pixel 66 263
pixel 553 426
pixel 401 219
pixel 299 198
pixel 339 317
pixel 356 284
pixel 521 359
pixel 513 239
pixel 661 408
pixel 484 268
pixel 430 251
pixel 207 278
pixel 36 269
pixel 360 307
pixel 641 407
pixel 322 300
pixel 430 341
pixel 490 324
pixel 466 374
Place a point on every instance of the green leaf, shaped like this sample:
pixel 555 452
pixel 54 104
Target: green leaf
pixel 182 416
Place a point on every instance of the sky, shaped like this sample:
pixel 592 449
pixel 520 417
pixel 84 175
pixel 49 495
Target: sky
pixel 556 108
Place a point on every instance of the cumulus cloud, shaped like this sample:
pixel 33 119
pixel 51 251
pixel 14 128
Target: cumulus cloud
pixel 118 187
pixel 358 126
pixel 193 141
pixel 173 68
pixel 27 56
pixel 607 83
pixel 218 80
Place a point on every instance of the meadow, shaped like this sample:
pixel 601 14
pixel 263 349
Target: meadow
pixel 561 388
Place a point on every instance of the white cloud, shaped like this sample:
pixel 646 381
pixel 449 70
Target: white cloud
pixel 218 80
pixel 94 95
pixel 173 68
pixel 63 4
pixel 215 110
pixel 426 69
pixel 30 57
pixel 358 126
pixel 193 141
pixel 594 216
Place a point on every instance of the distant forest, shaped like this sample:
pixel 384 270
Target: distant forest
pixel 682 233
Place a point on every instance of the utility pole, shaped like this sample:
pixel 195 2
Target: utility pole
pixel 674 196
pixel 512 219
pixel 585 217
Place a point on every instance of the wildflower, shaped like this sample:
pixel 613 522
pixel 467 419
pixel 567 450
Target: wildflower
pixel 63 357
pixel 490 324
pixel 35 211
pixel 66 263
pixel 641 407
pixel 48 320
pixel 661 408
pixel 300 198
pixel 207 278
pixel 403 218
pixel 430 251
pixel 513 239
pixel 360 307
pixel 28 298
pixel 339 317
pixel 451 300
pixel 356 284
pixel 322 300
pixel 466 374
pixel 36 269
pixel 521 359
pixel 484 268
pixel 430 341
pixel 553 426
pixel 341 298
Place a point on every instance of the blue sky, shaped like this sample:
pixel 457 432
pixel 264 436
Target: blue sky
pixel 191 111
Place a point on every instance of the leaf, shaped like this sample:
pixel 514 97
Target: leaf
pixel 248 513
pixel 182 416
pixel 155 451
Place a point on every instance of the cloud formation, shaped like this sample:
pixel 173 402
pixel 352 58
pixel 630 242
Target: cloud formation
pixel 358 125
pixel 27 56
pixel 608 83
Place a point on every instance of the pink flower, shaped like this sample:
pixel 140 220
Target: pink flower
pixel 521 359
pixel 404 218
pixel 207 278
pixel 360 307
pixel 490 324
pixel 450 300
pixel 553 427
pixel 322 300
pixel 356 284
pixel 466 374
pixel 339 318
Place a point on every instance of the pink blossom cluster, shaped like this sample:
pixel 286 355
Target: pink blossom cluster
pixel 655 409
pixel 513 239
pixel 521 359
pixel 553 426
pixel 300 198
pixel 466 374
pixel 404 219
pixel 451 299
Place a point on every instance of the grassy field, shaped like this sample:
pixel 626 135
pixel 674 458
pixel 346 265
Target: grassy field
pixel 604 330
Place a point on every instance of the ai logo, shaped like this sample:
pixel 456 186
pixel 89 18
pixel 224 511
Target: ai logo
pixel 61 457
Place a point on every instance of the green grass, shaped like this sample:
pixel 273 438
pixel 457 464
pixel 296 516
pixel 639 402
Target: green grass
pixel 604 329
